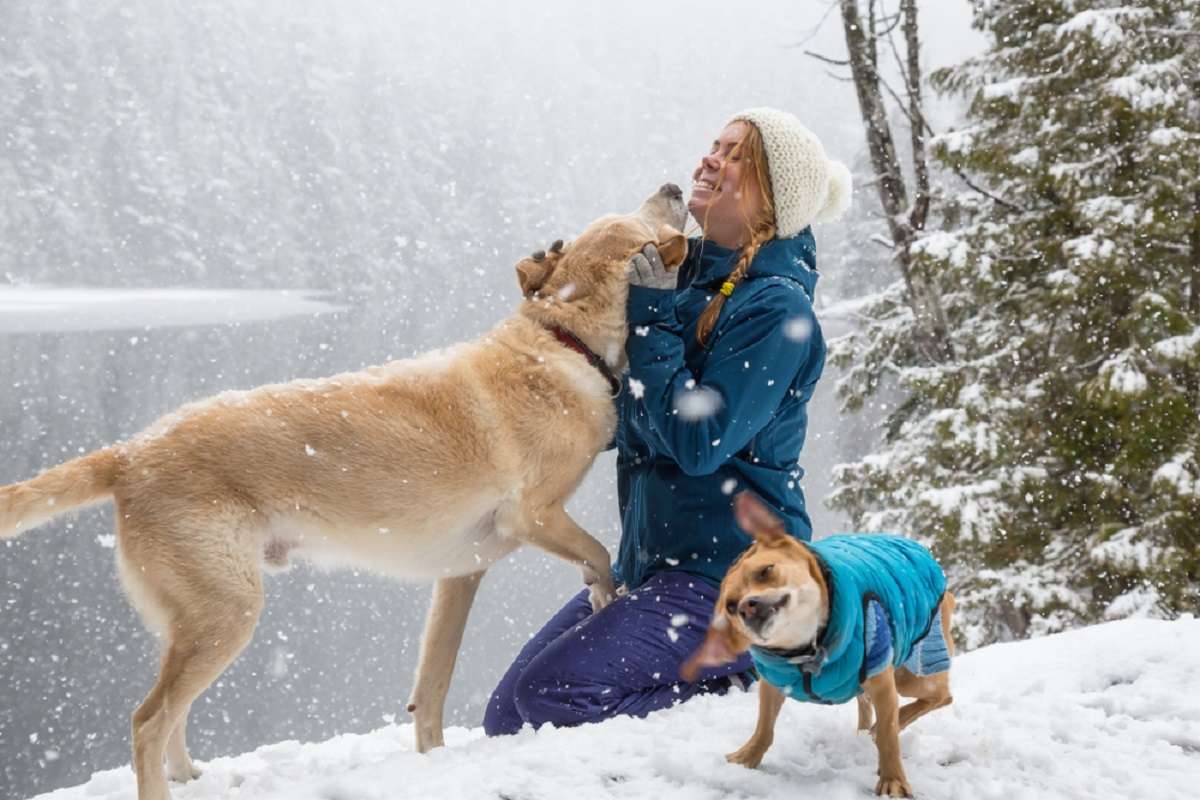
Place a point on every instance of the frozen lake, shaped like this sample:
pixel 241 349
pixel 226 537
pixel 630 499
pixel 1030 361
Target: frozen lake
pixel 47 309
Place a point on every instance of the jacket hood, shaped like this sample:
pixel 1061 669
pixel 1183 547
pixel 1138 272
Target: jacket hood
pixel 794 258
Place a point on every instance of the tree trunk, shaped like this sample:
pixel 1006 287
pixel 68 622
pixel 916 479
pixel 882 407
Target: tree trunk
pixel 1193 371
pixel 903 222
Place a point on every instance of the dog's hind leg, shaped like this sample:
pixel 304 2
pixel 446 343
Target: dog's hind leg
pixel 179 764
pixel 452 599
pixel 932 691
pixel 205 605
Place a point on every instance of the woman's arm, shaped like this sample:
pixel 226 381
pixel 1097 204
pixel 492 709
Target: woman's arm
pixel 749 370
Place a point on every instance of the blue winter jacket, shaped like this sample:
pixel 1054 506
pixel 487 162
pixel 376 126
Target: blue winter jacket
pixel 700 423
pixel 900 574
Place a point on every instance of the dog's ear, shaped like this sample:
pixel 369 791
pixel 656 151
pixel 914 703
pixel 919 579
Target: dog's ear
pixel 672 246
pixel 759 521
pixel 534 271
pixel 718 648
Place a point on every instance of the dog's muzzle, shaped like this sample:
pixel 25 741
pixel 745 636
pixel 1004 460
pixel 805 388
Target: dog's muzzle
pixel 757 611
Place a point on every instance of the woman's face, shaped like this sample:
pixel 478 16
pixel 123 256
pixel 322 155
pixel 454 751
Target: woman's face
pixel 724 197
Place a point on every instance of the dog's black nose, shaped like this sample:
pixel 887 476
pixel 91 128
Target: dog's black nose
pixel 671 190
pixel 755 609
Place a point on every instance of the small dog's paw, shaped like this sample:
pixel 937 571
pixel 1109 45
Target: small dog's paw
pixel 892 786
pixel 749 756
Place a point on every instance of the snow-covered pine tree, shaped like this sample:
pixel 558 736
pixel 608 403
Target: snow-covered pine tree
pixel 1054 460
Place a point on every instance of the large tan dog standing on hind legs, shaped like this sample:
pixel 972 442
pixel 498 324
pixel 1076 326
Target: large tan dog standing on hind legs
pixel 863 616
pixel 433 467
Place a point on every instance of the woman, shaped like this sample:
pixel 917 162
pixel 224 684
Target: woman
pixel 723 358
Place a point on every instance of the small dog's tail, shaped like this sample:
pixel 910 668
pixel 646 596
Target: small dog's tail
pixel 80 482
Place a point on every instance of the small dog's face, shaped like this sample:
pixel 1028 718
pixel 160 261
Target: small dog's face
pixel 773 596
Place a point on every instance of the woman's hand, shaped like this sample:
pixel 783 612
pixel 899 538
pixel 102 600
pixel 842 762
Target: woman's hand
pixel 646 269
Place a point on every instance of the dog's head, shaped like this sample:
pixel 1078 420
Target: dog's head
pixel 773 596
pixel 592 268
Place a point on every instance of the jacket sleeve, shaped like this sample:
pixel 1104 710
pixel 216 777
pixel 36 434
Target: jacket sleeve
pixel 700 421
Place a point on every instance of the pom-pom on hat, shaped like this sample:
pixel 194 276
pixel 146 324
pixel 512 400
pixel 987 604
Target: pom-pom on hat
pixel 806 185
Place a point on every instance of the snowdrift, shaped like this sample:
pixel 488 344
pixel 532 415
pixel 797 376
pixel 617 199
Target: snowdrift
pixel 1111 711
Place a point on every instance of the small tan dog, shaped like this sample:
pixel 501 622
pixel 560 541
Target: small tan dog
pixel 805 610
pixel 429 468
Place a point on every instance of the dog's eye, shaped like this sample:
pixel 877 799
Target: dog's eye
pixel 731 606
pixel 765 572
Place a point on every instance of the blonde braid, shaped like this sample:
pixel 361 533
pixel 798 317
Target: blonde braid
pixel 711 312
pixel 761 230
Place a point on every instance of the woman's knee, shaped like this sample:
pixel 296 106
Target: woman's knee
pixel 529 697
pixel 543 696
pixel 500 717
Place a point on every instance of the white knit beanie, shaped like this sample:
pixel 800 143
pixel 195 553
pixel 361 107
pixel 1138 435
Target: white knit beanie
pixel 806 185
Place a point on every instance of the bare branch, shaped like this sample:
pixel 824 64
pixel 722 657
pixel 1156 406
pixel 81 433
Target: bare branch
pixel 827 59
pixel 1173 32
pixel 993 197
pixel 812 33
pixel 841 78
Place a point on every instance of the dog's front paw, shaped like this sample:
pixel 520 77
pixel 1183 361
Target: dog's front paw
pixel 601 593
pixel 429 739
pixel 893 786
pixel 750 755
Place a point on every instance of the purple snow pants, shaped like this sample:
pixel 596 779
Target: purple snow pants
pixel 585 667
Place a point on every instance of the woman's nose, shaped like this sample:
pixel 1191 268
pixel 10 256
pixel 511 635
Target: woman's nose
pixel 711 161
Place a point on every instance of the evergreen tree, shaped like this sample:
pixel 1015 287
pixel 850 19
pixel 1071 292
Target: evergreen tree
pixel 1054 460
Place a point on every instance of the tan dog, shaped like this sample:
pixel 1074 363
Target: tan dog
pixel 776 596
pixel 430 468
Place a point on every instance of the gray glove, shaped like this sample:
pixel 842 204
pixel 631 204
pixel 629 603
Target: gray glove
pixel 646 269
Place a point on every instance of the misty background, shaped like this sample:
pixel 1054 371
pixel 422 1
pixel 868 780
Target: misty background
pixel 395 160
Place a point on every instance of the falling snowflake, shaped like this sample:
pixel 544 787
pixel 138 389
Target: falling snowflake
pixel 698 403
pixel 798 329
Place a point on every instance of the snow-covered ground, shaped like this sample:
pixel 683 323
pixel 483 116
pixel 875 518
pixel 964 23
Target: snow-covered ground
pixel 41 309
pixel 1111 711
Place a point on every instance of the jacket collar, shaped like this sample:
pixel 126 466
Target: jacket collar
pixel 794 257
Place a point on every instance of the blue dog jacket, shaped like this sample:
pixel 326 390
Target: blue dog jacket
pixel 875 582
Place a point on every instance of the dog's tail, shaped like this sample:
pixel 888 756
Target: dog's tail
pixel 80 482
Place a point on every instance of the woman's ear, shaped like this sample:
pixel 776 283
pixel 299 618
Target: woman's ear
pixel 720 646
pixel 535 270
pixel 672 246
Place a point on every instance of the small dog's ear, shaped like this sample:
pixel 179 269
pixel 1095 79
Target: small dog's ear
pixel 718 649
pixel 672 246
pixel 757 520
pixel 534 271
